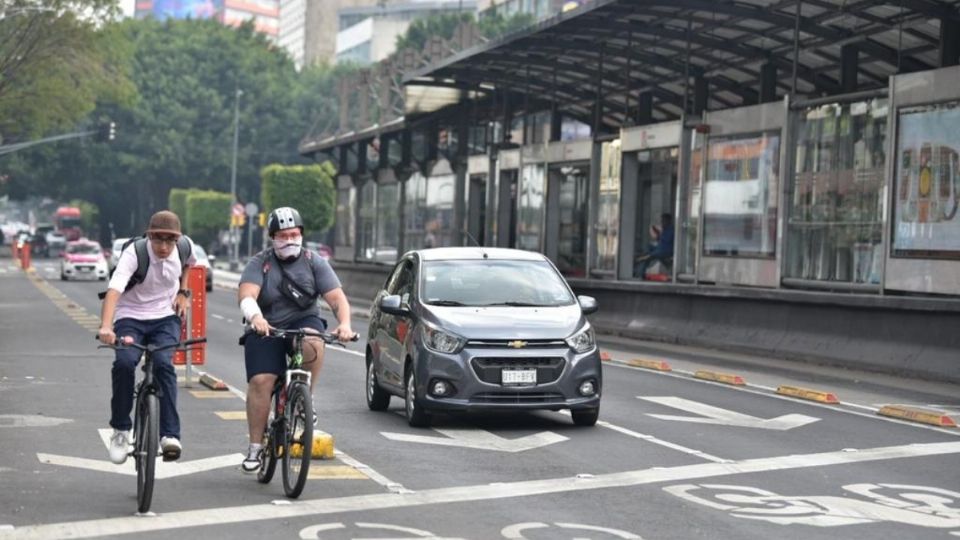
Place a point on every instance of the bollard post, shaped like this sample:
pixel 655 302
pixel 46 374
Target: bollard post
pixel 25 256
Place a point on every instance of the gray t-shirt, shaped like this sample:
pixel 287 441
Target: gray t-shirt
pixel 277 309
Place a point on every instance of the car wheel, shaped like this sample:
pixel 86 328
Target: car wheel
pixel 377 398
pixel 416 416
pixel 585 417
pixel 63 277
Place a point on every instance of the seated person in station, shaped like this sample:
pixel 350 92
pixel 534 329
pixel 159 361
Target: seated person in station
pixel 660 249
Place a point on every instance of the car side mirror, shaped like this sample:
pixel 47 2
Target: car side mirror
pixel 211 258
pixel 588 304
pixel 391 304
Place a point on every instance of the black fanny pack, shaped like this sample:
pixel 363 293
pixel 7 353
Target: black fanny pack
pixel 303 298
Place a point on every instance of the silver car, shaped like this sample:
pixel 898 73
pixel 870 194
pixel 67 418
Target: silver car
pixel 481 329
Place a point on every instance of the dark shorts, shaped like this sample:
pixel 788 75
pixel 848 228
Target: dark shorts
pixel 268 354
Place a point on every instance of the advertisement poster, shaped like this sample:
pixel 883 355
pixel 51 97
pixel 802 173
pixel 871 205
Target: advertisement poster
pixel 927 181
pixel 186 9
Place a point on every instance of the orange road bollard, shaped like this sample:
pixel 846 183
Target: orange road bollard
pixel 25 256
pixel 194 324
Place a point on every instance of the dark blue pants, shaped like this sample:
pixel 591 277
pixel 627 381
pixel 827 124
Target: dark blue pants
pixel 157 332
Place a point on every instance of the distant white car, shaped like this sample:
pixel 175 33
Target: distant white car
pixel 204 260
pixel 115 252
pixel 83 259
pixel 56 242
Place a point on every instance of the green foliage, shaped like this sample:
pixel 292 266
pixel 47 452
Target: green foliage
pixel 57 62
pixel 492 25
pixel 89 216
pixel 308 188
pixel 207 212
pixel 177 203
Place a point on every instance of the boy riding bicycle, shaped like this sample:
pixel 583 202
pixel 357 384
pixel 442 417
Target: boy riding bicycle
pixel 149 313
pixel 279 288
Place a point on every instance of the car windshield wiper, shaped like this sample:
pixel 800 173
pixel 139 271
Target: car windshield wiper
pixel 517 304
pixel 445 303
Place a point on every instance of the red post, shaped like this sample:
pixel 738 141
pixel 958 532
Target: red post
pixel 194 324
pixel 14 249
pixel 25 256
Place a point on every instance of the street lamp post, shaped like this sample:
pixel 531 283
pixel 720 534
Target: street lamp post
pixel 235 241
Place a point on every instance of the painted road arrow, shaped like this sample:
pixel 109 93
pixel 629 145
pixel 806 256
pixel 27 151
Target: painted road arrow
pixel 165 469
pixel 480 440
pixel 715 415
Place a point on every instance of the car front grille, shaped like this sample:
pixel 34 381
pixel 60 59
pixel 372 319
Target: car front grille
pixel 517 397
pixel 513 343
pixel 489 370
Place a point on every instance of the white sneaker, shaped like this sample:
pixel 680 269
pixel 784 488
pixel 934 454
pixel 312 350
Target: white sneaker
pixel 251 464
pixel 170 447
pixel 119 446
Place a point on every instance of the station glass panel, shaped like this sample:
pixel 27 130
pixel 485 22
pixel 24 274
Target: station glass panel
pixel 688 227
pixel 415 211
pixel 367 213
pixel 532 206
pixel 607 228
pixel 387 223
pixel 438 226
pixel 742 179
pixel 345 227
pixel 834 228
pixel 572 238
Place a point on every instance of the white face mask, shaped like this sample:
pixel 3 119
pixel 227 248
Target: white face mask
pixel 288 250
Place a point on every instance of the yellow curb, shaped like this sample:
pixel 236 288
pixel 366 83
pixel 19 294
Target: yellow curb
pixel 322 446
pixel 232 415
pixel 918 414
pixel 659 365
pixel 335 472
pixel 206 394
pixel 806 393
pixel 212 382
pixel 720 377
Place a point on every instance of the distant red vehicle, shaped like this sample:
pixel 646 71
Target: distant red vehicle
pixel 67 221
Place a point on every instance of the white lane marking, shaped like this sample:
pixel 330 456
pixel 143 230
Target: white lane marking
pixel 314 531
pixel 770 393
pixel 30 420
pixel 672 446
pixel 479 439
pixel 165 469
pixel 218 317
pixel 709 414
pixel 483 492
pixel 515 532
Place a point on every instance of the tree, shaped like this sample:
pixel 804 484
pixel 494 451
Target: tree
pixel 177 202
pixel 207 213
pixel 308 188
pixel 57 63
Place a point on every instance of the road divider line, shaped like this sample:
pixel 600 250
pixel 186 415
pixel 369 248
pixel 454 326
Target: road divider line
pixel 231 415
pixel 211 394
pixel 918 414
pixel 646 363
pixel 716 376
pixel 806 393
pixel 661 442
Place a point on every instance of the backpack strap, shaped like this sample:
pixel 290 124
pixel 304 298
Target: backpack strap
pixel 185 249
pixel 143 263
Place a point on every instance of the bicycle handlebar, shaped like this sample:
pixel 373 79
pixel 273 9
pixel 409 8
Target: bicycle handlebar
pixel 151 348
pixel 328 337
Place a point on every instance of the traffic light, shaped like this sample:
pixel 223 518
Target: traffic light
pixel 262 219
pixel 107 132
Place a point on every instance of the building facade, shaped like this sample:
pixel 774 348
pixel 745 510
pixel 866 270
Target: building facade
pixel 264 13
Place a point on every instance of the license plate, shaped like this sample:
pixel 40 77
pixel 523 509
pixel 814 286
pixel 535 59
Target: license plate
pixel 518 376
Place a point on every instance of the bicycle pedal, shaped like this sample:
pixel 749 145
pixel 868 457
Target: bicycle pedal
pixel 171 455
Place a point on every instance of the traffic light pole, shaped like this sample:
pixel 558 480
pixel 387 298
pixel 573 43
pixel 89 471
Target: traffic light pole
pixel 234 231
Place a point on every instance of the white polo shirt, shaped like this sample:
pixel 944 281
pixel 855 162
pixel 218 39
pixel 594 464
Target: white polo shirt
pixel 153 298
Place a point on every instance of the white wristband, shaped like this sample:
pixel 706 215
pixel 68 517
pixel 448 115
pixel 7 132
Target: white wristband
pixel 249 308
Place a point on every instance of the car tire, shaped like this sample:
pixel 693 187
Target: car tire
pixel 63 277
pixel 585 417
pixel 416 416
pixel 377 398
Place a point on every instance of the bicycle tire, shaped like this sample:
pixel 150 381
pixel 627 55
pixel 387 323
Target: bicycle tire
pixel 298 440
pixel 271 441
pixel 146 445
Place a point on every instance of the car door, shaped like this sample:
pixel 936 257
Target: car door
pixel 393 330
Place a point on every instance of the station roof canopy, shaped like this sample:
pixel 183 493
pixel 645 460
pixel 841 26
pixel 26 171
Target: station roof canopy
pixel 619 49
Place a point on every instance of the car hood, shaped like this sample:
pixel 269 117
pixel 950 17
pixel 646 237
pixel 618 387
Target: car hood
pixel 505 322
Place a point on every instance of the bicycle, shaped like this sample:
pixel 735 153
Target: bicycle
pixel 146 419
pixel 289 432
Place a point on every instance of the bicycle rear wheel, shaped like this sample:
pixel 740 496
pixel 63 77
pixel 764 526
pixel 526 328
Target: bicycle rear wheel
pixel 298 440
pixel 145 449
pixel 272 439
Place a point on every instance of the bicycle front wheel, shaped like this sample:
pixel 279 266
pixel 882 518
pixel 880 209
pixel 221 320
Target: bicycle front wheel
pixel 272 439
pixel 298 440
pixel 145 448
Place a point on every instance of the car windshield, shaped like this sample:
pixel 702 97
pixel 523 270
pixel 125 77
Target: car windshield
pixel 83 249
pixel 199 253
pixel 493 283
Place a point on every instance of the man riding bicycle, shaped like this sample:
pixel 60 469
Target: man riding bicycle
pixel 149 313
pixel 279 289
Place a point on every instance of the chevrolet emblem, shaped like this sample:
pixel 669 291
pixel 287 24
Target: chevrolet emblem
pixel 517 344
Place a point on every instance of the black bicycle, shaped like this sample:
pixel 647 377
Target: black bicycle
pixel 289 432
pixel 146 419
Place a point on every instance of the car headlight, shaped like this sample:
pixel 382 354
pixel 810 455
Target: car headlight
pixel 584 340
pixel 440 341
